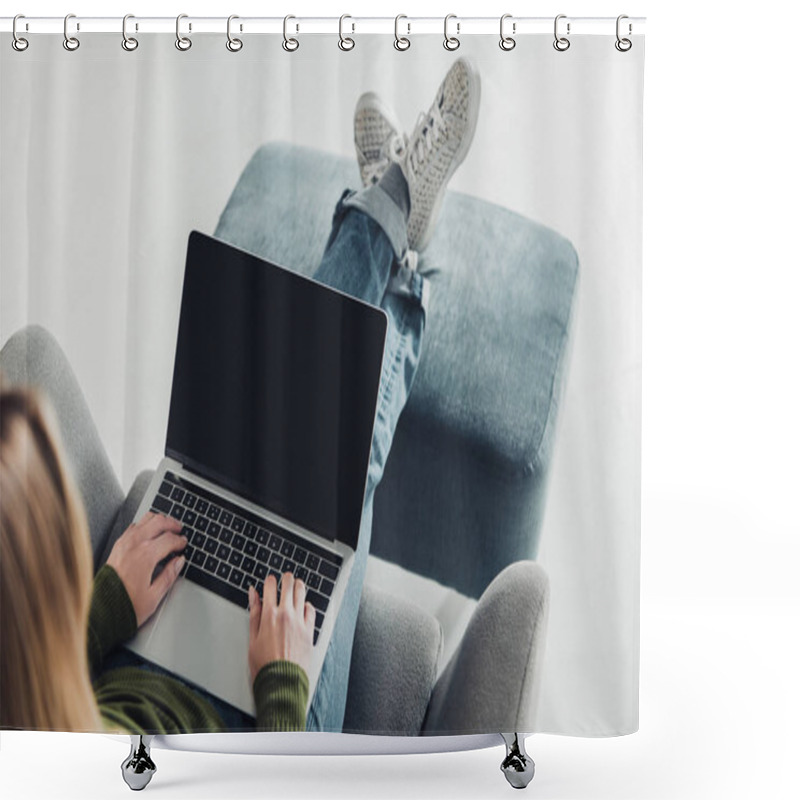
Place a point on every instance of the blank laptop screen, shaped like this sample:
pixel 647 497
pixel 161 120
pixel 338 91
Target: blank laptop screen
pixel 275 387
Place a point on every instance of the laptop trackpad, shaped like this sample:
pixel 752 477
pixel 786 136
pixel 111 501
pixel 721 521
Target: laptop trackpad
pixel 181 638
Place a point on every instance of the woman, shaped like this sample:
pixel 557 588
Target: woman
pixel 49 652
pixel 46 579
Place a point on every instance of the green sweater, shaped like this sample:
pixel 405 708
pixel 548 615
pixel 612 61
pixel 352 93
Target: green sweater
pixel 139 701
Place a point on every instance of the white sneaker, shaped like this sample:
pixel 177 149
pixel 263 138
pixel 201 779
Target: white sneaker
pixel 378 138
pixel 438 145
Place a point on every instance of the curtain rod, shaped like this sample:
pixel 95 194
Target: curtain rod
pixel 407 25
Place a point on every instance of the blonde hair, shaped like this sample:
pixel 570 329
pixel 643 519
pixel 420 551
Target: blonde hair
pixel 45 575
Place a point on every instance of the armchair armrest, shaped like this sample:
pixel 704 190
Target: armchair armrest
pixel 492 681
pixel 126 513
pixel 396 654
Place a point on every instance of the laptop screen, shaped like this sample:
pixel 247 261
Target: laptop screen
pixel 275 387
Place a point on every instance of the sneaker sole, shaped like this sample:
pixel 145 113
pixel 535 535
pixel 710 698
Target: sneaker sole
pixel 461 153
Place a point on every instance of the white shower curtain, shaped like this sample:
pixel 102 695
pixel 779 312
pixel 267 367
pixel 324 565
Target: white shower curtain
pixel 110 158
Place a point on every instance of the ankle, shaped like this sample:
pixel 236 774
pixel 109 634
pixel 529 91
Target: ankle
pixel 394 183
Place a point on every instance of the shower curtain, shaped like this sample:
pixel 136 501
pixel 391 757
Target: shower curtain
pixel 519 440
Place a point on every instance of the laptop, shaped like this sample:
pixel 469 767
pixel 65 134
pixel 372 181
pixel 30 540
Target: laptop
pixel 274 394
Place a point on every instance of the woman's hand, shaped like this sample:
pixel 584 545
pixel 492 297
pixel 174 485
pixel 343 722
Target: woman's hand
pixel 135 556
pixel 280 632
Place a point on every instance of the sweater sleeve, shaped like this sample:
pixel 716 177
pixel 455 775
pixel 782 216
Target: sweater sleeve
pixel 112 619
pixel 281 695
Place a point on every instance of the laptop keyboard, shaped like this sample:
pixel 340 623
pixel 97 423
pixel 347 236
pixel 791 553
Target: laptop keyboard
pixel 229 548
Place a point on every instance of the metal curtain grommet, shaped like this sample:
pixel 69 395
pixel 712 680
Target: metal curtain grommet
pixel 18 43
pixel 290 44
pixel 129 43
pixel 451 42
pixel 233 44
pixel 183 43
pixel 70 42
pixel 401 42
pixel 346 42
pixel 507 42
pixel 623 44
pixel 561 43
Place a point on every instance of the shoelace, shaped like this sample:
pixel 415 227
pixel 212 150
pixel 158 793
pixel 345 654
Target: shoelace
pixel 430 128
pixel 410 260
pixel 393 152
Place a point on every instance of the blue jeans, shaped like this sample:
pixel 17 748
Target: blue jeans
pixel 363 258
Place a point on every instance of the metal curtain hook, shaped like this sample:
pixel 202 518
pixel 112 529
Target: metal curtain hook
pixel 233 44
pixel 507 42
pixel 401 42
pixel 18 43
pixel 561 43
pixel 451 42
pixel 623 45
pixel 290 44
pixel 182 42
pixel 70 42
pixel 346 42
pixel 128 42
